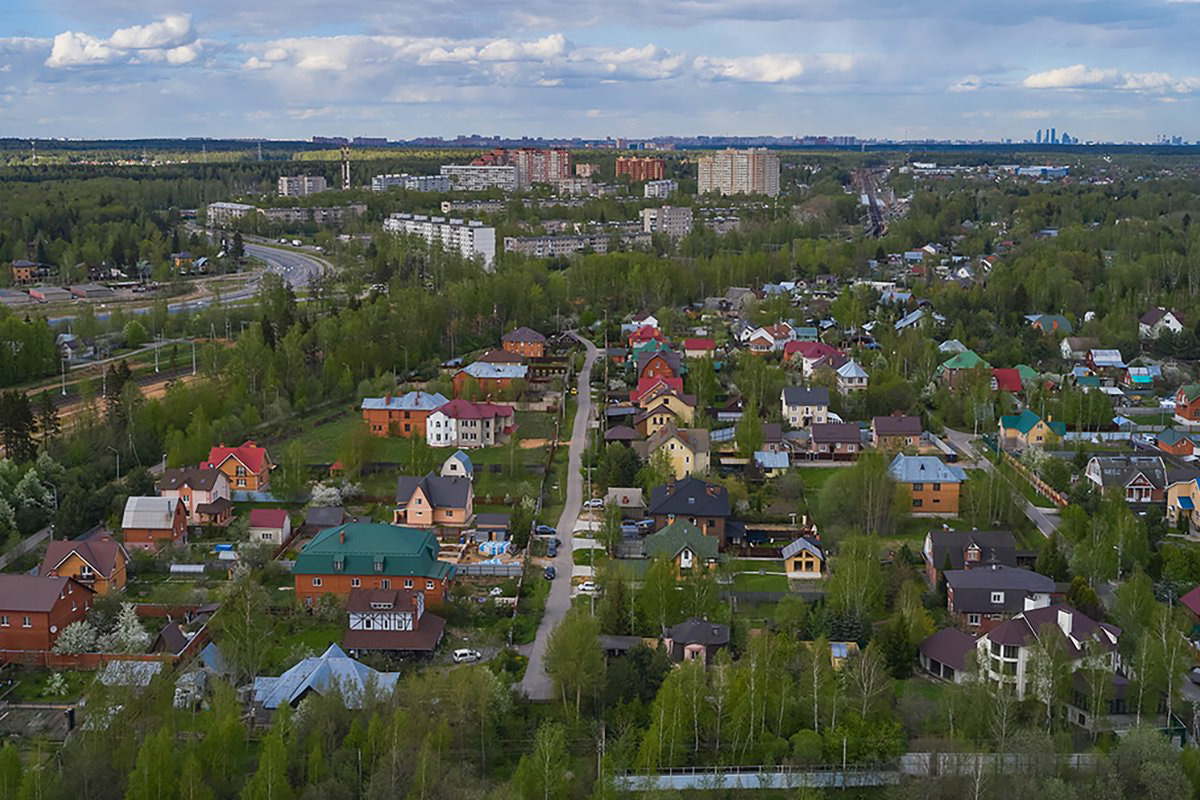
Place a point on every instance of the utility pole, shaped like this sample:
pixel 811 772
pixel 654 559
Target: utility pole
pixel 63 364
pixel 193 356
pixel 156 352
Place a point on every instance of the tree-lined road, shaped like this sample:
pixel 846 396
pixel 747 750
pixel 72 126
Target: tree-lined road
pixel 1046 521
pixel 536 685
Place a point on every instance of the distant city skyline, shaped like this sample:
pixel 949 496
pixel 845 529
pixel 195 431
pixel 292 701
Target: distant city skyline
pixel 1104 71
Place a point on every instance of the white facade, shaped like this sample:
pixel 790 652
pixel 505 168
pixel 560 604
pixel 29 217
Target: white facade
pixel 753 171
pixel 386 617
pixel 413 183
pixel 471 238
pixel 301 185
pixel 662 189
pixel 470 178
pixel 221 214
pixel 674 221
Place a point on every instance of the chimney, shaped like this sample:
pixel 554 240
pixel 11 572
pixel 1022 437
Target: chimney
pixel 1064 620
pixel 387 399
pixel 342 536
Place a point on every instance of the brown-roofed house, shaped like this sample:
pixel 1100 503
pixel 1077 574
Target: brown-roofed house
pixel 839 441
pixel 99 562
pixel 392 620
pixel 895 432
pixel 525 341
pixel 203 491
pixel 34 610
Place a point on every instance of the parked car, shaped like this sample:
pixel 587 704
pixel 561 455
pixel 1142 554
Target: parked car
pixel 629 531
pixel 552 550
pixel 595 502
pixel 464 656
pixel 549 573
pixel 588 587
pixel 544 530
pixel 557 541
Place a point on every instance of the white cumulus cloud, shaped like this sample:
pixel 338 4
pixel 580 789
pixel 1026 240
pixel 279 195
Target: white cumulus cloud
pixel 169 32
pixel 772 67
pixel 1080 76
pixel 171 40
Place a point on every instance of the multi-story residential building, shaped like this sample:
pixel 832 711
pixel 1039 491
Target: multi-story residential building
pixel 322 215
pixel 565 245
pixel 203 492
pixel 219 215
pixel 753 171
pixel 301 185
pixel 541 166
pixel 661 189
pixel 413 183
pixel 471 238
pixel 461 423
pixel 933 487
pixel 1139 479
pixel 641 169
pixel 481 177
pixel 705 505
pixel 437 503
pixel 473 206
pixel 524 341
pixel 34 609
pixel 247 466
pixel 674 221
pixel 369 555
pixel 982 598
pixel 400 416
pixel 804 406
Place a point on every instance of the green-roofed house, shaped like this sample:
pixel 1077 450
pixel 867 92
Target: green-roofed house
pixel 1187 404
pixel 1027 429
pixel 652 346
pixel 954 368
pixel 1050 323
pixel 371 555
pixel 685 545
pixel 1029 375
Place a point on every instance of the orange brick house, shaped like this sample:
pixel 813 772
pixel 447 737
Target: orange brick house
pixel 34 610
pixel 1174 442
pixel 150 523
pixel 444 505
pixel 403 416
pixel 1187 404
pixel 247 466
pixel 932 486
pixel 525 341
pixel 98 562
pixel 662 364
pixel 203 492
pixel 493 379
pixel 370 555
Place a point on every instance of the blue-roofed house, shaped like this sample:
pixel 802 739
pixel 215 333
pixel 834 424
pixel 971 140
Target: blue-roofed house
pixel 491 378
pixel 1105 359
pixel 458 465
pixel 772 463
pixel 400 416
pixel 804 558
pixel 851 377
pixel 915 317
pixel 1143 377
pixel 895 297
pixel 952 346
pixel 319 675
pixel 1183 498
pixel 933 486
pixel 805 333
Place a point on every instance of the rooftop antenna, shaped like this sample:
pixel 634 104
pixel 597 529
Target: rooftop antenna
pixel 346 167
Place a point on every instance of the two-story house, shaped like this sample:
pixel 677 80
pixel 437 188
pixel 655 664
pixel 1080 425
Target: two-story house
pixel 98 562
pixel 705 505
pixel 1027 429
pixel 1141 480
pixel 658 364
pixel 896 432
pixel 851 377
pixel 1187 404
pixel 463 424
pixel 803 557
pixel 34 609
pixel 1158 321
pixel 805 406
pixel 836 441
pixel 933 486
pixel 980 599
pixel 525 341
pixel 687 449
pixel 247 466
pixel 945 550
pixel 685 545
pixel 151 523
pixel 1183 498
pixel 371 555
pixel 400 416
pixel 492 379
pixel 440 504
pixel 699 347
pixel 204 493
pixel 390 620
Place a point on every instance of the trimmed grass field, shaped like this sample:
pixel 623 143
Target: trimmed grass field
pixel 751 582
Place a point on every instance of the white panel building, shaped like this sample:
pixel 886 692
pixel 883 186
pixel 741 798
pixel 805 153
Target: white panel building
pixel 301 185
pixel 413 183
pixel 674 221
pixel 472 178
pixel 471 237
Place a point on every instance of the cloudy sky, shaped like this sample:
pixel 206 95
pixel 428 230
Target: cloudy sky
pixel 874 68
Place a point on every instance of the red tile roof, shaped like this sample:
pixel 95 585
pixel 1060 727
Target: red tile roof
pixel 249 453
pixel 810 350
pixel 268 518
pixel 1007 380
pixel 465 409
pixel 699 344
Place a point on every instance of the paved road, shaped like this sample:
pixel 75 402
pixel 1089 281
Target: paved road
pixel 536 684
pixel 24 546
pixel 1045 520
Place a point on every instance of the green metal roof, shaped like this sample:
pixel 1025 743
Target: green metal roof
pixel 1025 421
pixel 968 359
pixel 1191 391
pixel 678 535
pixel 1027 373
pixel 371 548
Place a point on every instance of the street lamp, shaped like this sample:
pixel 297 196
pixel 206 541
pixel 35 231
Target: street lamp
pixel 118 452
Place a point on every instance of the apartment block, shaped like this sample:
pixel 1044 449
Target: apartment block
pixel 661 189
pixel 481 177
pixel 413 183
pixel 301 185
pixel 471 237
pixel 641 169
pixel 221 214
pixel 753 171
pixel 322 215
pixel 674 221
pixel 552 246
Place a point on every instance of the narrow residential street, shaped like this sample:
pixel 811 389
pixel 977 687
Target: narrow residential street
pixel 536 685
pixel 1046 521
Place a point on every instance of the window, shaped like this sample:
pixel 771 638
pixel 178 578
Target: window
pixel 241 481
pixel 26 623
pixel 973 620
pixel 4 621
pixel 918 502
pixel 355 583
pixel 317 582
pixel 386 583
pixel 73 607
pixel 937 487
pixel 85 571
pixel 918 487
pixel 997 597
pixel 429 585
pixel 408 584
pixel 266 537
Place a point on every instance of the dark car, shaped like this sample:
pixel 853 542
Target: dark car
pixel 549 573
pixel 544 530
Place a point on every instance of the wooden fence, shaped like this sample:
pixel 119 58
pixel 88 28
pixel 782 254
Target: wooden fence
pixel 1043 488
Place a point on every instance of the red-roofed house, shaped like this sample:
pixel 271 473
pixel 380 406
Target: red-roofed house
pixel 644 334
pixel 1006 380
pixel 270 525
pixel 1191 601
pixel 247 466
pixel 811 355
pixel 699 347
pixel 461 423
pixel 648 386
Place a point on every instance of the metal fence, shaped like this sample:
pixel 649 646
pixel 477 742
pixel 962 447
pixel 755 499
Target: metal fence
pixel 491 570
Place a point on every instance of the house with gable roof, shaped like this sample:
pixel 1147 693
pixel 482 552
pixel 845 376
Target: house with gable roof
pixel 458 465
pixel 272 525
pixel 945 550
pixel 247 466
pixel 35 609
pixel 1187 404
pixel 204 493
pixel 688 449
pixel 1183 498
pixel 803 405
pixel 803 557
pixel 98 562
pixel 150 523
pixel 492 379
pixel 1140 479
pixel 953 370
pixel 933 486
pixel 390 621
pixel 463 424
pixel 441 504
pixel 1027 429
pixel 685 545
pixel 1158 321
pixel 980 599
pixel 403 416
pixel 525 341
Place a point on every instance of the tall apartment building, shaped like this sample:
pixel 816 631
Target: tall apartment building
pixel 481 177
pixel 641 169
pixel 221 214
pixel 301 185
pixel 674 221
pixel 413 183
pixel 753 171
pixel 662 189
pixel 541 166
pixel 471 238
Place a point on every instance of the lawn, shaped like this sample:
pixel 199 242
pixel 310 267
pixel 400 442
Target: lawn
pixel 753 582
pixel 31 686
pixel 755 565
pixel 589 556
pixel 172 589
pixel 814 478
pixel 299 638
pixel 1023 486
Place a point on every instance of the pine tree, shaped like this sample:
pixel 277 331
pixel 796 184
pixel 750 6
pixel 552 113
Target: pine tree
pixel 10 770
pixel 270 780
pixel 17 426
pixel 47 419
